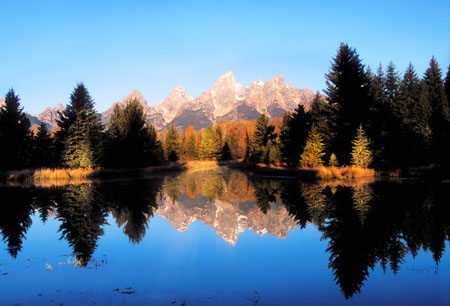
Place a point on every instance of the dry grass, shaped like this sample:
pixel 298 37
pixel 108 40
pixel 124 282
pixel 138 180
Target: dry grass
pixel 63 174
pixel 202 164
pixel 346 182
pixel 344 172
pixel 52 177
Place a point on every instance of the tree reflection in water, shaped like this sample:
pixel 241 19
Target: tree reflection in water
pixel 364 224
pixel 371 223
pixel 16 208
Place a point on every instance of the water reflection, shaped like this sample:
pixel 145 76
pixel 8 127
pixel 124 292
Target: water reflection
pixel 365 223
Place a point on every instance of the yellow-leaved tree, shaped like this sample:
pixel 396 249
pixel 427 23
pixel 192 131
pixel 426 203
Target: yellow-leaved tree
pixel 313 152
pixel 361 153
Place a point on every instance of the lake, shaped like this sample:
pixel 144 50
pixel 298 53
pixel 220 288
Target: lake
pixel 225 237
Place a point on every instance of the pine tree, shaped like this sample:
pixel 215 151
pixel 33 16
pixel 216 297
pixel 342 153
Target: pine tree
pixel 447 85
pixel 210 145
pixel 172 144
pixel 402 141
pixel 361 154
pixel 347 88
pixel 133 142
pixel 190 148
pixel 440 113
pixel 80 138
pixel 293 135
pixel 380 121
pixel 263 135
pixel 392 83
pixel 313 152
pixel 333 162
pixel 225 153
pixel 323 116
pixel 15 135
pixel 248 144
pixel 153 147
pixel 42 147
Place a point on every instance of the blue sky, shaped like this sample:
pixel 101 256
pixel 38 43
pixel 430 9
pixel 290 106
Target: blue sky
pixel 117 46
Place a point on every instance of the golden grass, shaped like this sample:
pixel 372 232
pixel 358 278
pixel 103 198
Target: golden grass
pixel 201 164
pixel 63 174
pixel 344 172
pixel 346 182
pixel 52 177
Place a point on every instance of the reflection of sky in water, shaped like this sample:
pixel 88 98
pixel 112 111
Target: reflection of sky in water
pixel 200 267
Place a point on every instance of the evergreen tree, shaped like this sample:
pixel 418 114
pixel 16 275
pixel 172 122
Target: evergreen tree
pixel 248 144
pixel 380 120
pixel 347 89
pixel 153 147
pixel 273 154
pixel 293 135
pixel 313 152
pixel 263 135
pixel 412 113
pixel 333 162
pixel 361 154
pixel 42 147
pixel 190 148
pixel 392 83
pixel 447 85
pixel 210 144
pixel 133 143
pixel 407 94
pixel 80 138
pixel 225 153
pixel 15 135
pixel 323 116
pixel 440 113
pixel 420 129
pixel 232 142
pixel 172 144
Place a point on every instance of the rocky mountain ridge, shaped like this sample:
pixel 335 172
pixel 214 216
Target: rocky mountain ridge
pixel 226 99
pixel 226 217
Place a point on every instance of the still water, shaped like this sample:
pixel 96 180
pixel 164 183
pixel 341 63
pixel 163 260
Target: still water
pixel 224 237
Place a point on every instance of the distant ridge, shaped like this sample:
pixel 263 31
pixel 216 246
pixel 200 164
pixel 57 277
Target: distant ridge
pixel 226 99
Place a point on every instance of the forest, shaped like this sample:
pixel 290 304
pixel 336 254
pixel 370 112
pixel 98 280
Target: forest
pixel 378 119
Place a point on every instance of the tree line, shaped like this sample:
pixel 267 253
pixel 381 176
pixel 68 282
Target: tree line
pixel 366 118
pixel 80 138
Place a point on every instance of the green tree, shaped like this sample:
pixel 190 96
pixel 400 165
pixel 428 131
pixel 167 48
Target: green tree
pixel 402 148
pixel 440 113
pixel 80 138
pixel 447 85
pixel 225 153
pixel 263 136
pixel 293 134
pixel 190 148
pixel 172 144
pixel 313 152
pixel 133 142
pixel 15 135
pixel 153 146
pixel 361 154
pixel 323 116
pixel 380 123
pixel 210 145
pixel 391 83
pixel 42 147
pixel 347 89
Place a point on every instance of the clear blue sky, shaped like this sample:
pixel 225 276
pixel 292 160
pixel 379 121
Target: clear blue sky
pixel 117 46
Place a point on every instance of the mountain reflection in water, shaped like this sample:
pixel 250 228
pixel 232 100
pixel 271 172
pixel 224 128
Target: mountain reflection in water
pixel 365 223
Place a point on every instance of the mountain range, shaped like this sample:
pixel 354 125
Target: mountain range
pixel 226 99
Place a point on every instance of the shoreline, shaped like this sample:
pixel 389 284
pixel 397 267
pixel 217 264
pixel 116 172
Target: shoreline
pixel 61 176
